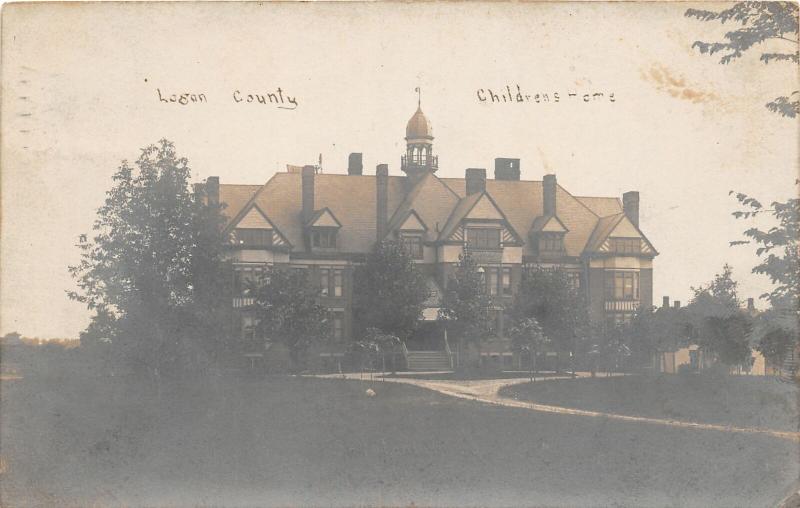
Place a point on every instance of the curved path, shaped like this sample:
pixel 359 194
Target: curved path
pixel 486 391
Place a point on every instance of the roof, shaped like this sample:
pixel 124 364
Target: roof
pixel 419 126
pixel 439 203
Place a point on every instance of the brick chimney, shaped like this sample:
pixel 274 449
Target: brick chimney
pixel 506 169
pixel 665 302
pixel 751 304
pixel 354 165
pixel 212 190
pixel 476 180
pixel 549 186
pixel 677 304
pixel 381 200
pixel 308 174
pixel 630 205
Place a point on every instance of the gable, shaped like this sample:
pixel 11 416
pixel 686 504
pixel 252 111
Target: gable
pixel 254 219
pixel 325 219
pixel 625 229
pixel 484 209
pixel 412 223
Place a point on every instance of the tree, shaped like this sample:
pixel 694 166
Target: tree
pixel 653 331
pixel 390 291
pixel 465 304
pixel 153 271
pixel 776 246
pixel 527 337
pixel 775 345
pixel 760 22
pixel 716 322
pixel 286 310
pixel 546 295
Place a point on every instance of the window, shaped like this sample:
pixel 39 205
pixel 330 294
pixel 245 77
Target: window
pixel 330 281
pixel 245 276
pixel 626 245
pixel 337 325
pixel 412 244
pixel 506 281
pixel 483 238
pixel 253 237
pixel 498 280
pixel 574 280
pixel 617 319
pixel 622 285
pixel 323 238
pixel 551 243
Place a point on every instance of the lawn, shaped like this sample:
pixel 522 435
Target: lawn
pixel 745 401
pixel 70 438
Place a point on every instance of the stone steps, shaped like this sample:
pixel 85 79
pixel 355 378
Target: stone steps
pixel 421 361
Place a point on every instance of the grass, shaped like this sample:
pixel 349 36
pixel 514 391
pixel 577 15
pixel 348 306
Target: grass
pixel 70 438
pixel 746 401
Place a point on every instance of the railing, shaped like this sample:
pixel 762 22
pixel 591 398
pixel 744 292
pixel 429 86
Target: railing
pixel 621 305
pixel 420 162
pixel 240 302
pixel 447 349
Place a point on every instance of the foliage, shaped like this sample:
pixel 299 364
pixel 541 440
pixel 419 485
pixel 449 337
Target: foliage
pixel 652 331
pixel 716 322
pixel 760 22
pixel 527 335
pixel 776 344
pixel 286 310
pixel 376 345
pixel 390 291
pixel 153 271
pixel 546 295
pixel 465 304
pixel 777 246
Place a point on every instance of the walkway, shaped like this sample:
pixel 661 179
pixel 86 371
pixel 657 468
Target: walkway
pixel 487 391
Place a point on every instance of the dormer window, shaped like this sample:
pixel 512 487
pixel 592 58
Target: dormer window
pixel 253 238
pixel 626 245
pixel 412 245
pixel 323 238
pixel 483 238
pixel 551 244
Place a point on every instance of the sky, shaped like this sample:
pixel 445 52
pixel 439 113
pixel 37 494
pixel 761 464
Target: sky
pixel 81 86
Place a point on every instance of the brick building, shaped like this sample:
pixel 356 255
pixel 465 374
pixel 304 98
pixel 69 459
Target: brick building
pixel 327 223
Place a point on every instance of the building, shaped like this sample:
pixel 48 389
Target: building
pixel 327 223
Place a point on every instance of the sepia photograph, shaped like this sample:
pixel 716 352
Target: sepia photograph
pixel 399 254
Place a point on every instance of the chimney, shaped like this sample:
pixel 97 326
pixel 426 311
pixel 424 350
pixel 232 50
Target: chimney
pixel 476 180
pixel 751 304
pixel 308 192
pixel 506 169
pixel 665 303
pixel 677 304
pixel 212 190
pixel 354 165
pixel 381 200
pixel 549 186
pixel 630 205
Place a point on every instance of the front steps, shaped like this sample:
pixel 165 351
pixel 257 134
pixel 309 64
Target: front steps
pixel 426 361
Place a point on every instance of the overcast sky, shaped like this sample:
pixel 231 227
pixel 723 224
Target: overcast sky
pixel 80 94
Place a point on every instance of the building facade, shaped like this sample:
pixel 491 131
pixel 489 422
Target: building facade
pixel 327 223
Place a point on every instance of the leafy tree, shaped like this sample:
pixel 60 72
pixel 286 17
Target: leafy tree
pixel 716 322
pixel 390 291
pixel 776 344
pixel 102 328
pixel 465 304
pixel 652 331
pixel 546 295
pixel 760 22
pixel 527 338
pixel 777 246
pixel 153 271
pixel 286 310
